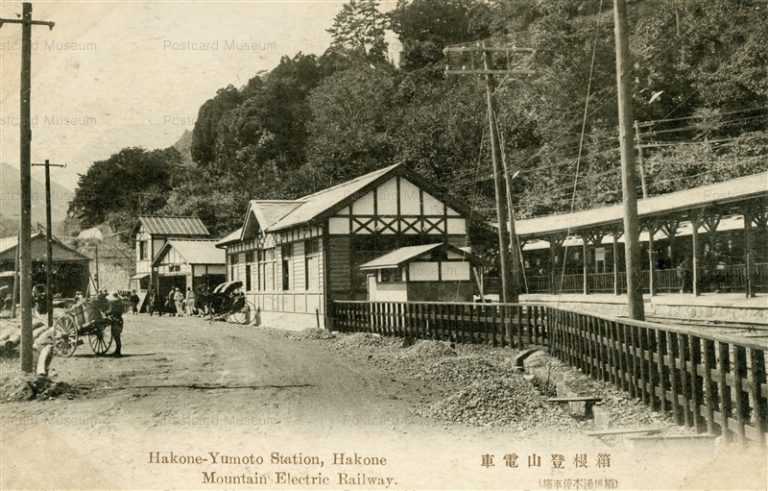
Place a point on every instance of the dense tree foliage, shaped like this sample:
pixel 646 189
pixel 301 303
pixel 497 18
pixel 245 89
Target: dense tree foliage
pixel 130 182
pixel 700 96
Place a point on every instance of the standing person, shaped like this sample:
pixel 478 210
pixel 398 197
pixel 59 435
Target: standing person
pixel 115 315
pixel 178 300
pixel 150 302
pixel 684 274
pixel 169 302
pixel 134 303
pixel 191 297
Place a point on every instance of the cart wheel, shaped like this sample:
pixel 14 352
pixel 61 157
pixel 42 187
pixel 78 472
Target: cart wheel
pixel 64 336
pixel 242 315
pixel 101 340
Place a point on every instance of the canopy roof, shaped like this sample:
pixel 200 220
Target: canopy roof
pixel 725 192
pixel 233 236
pixel 174 225
pixel 404 255
pixel 194 251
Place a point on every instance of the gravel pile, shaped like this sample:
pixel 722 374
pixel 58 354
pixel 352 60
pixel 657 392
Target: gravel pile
pixel 359 340
pixel 427 350
pixel 312 333
pixel 462 370
pixel 511 401
pixel 33 387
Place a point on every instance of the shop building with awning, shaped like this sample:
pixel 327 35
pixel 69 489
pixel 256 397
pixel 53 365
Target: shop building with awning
pixel 151 235
pixel 186 264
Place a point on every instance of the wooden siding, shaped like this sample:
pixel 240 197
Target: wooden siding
pixel 340 263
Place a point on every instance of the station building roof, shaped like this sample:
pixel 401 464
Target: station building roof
pixel 174 225
pixel 730 191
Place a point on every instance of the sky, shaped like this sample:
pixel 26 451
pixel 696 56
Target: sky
pixel 134 73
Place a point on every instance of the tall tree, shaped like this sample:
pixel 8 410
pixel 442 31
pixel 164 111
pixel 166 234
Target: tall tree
pixel 359 30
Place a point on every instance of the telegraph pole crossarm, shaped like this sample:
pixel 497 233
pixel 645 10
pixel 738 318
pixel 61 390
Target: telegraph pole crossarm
pixel 48 237
pixel 509 267
pixel 25 195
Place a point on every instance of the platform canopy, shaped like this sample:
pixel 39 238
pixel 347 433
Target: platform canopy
pixel 725 195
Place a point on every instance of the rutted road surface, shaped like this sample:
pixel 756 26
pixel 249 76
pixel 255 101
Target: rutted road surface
pixel 191 387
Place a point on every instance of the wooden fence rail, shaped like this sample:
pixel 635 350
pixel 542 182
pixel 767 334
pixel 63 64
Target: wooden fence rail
pixel 710 382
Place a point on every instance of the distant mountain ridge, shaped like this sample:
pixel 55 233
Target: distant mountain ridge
pixel 9 201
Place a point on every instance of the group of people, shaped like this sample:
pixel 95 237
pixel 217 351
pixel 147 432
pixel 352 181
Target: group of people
pixel 176 303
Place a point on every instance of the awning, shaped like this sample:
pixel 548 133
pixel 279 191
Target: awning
pixel 139 276
pixel 227 287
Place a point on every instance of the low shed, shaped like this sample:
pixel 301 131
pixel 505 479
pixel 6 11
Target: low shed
pixel 70 268
pixel 432 272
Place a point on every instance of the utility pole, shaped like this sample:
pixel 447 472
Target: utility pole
pixel 25 239
pixel 501 178
pixel 17 260
pixel 628 178
pixel 641 161
pixel 48 237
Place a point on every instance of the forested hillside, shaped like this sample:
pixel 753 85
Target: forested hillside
pixel 700 97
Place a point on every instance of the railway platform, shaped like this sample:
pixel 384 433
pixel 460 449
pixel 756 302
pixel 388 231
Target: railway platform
pixel 704 308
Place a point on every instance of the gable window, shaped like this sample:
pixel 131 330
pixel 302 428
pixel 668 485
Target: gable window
pixel 286 253
pixel 142 250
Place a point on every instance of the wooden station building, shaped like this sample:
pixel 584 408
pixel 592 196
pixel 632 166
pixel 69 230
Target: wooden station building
pixel 174 251
pixel 294 257
pixel 70 268
pixel 711 237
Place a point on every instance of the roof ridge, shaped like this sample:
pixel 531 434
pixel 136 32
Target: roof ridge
pixel 350 181
pixel 170 216
pixel 275 201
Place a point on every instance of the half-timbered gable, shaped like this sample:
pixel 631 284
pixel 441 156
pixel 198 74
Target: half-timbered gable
pixel 293 256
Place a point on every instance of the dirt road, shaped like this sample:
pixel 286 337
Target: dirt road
pixel 190 388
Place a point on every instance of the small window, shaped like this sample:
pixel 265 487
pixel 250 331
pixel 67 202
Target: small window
pixel 174 268
pixel 312 246
pixel 286 253
pixel 233 259
pixel 142 250
pixel 311 264
pixel 249 257
pixel 390 275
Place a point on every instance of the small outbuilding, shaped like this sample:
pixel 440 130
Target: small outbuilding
pixel 428 273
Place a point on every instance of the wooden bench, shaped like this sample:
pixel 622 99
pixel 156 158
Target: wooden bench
pixel 587 401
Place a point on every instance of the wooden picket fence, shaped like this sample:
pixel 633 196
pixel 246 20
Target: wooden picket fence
pixel 710 382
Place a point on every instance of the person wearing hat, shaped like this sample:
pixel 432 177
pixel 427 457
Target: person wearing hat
pixel 178 300
pixel 115 315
